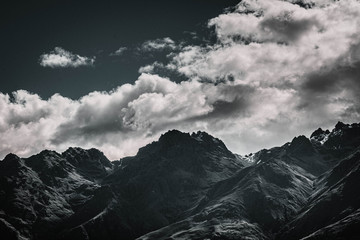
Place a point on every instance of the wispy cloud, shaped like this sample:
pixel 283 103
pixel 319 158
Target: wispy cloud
pixel 151 68
pixel 60 58
pixel 119 52
pixel 158 44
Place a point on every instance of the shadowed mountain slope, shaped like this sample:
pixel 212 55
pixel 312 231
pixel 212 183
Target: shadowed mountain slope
pixel 187 186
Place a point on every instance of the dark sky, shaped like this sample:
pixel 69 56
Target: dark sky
pixel 90 28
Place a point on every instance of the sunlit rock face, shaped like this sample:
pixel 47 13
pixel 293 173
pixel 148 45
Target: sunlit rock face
pixel 187 186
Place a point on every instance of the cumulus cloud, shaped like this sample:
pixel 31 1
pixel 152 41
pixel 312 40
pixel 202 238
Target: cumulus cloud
pixel 263 42
pixel 119 52
pixel 261 21
pixel 158 45
pixel 60 58
pixel 118 122
pixel 300 57
pixel 151 68
pixel 278 69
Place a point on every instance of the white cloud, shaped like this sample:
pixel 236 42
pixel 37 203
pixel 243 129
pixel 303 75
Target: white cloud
pixel 151 67
pixel 158 45
pixel 302 63
pixel 277 42
pixel 60 58
pixel 118 122
pixel 121 121
pixel 148 68
pixel 119 52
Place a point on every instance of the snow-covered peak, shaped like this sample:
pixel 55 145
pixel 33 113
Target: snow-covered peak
pixel 320 136
pixel 342 136
pixel 247 160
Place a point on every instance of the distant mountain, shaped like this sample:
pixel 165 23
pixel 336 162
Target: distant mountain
pixel 188 186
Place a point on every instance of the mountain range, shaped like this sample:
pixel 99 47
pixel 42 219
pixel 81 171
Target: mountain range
pixel 188 186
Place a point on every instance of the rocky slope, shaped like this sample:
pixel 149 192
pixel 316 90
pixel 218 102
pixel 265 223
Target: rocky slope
pixel 188 186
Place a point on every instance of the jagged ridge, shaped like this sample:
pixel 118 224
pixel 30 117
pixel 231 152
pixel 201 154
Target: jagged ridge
pixel 187 186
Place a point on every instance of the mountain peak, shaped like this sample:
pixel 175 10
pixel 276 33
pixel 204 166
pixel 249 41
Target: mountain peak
pixel 77 151
pixel 91 163
pixel 204 136
pixel 344 136
pixel 299 139
pixel 177 138
pixel 11 157
pixel 319 132
pixel 320 135
pixel 301 145
pixel 11 161
pixel 208 139
pixel 49 153
pixel 340 125
pixel 174 136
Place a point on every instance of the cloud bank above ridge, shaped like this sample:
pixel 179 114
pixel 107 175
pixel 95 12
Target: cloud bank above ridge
pixel 278 69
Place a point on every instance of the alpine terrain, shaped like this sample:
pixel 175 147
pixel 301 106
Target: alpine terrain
pixel 188 186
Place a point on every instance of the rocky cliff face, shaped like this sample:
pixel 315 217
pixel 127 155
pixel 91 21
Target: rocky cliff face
pixel 187 186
